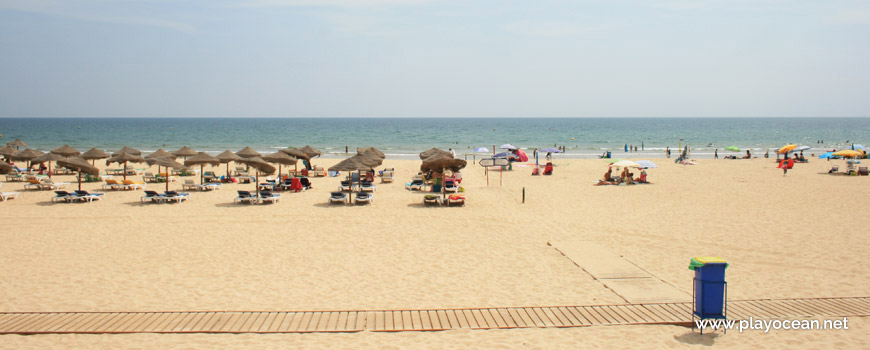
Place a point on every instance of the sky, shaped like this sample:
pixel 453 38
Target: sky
pixel 434 58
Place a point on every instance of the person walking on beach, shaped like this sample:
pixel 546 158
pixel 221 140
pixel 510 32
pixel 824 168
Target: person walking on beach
pixel 452 153
pixel 716 153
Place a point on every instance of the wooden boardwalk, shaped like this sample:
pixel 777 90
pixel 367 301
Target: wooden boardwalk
pixel 412 320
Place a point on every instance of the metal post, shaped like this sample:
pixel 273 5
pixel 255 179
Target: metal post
pixel 524 195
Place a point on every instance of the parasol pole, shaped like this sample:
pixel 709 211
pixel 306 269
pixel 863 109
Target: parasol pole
pixel 125 170
pixel 228 171
pixel 49 169
pixel 200 173
pixel 80 179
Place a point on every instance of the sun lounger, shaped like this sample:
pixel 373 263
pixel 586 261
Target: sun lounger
pixel 347 186
pixel 450 186
pixel 8 195
pixel 153 196
pixel 175 196
pixel 387 176
pixel 415 185
pixel 49 184
pixel 210 186
pixel 245 196
pixel 14 175
pixel 337 197
pixel 365 197
pixel 112 185
pixel 63 196
pixel 455 200
pixel 306 184
pixel 189 185
pixel 210 176
pixel 431 199
pixel 86 196
pixel 33 184
pixel 834 169
pixel 149 177
pixel 367 186
pixel 133 185
pixel 267 196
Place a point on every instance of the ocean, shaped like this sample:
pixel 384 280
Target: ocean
pixel 406 137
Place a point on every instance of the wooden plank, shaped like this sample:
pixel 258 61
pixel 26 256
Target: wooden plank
pixel 177 321
pixel 302 326
pixel 7 317
pixel 407 323
pixel 122 319
pixel 736 311
pixel 279 320
pixel 143 322
pixel 579 316
pixel 416 320
pixel 533 314
pixel 468 317
pixel 808 307
pixel 513 320
pixel 25 321
pixel 622 312
pixel 685 308
pixel 102 319
pixel 642 313
pixel 157 320
pixel 325 317
pixel 426 323
pixel 380 320
pixel 249 322
pixel 603 315
pixel 593 317
pixel 521 317
pixel 227 321
pixel 312 324
pixel 396 319
pixel 81 321
pixel 661 313
pixel 70 318
pixel 847 306
pixel 191 320
pixel 340 324
pixel 331 321
pixel 163 326
pixel 444 319
pixel 435 320
pixel 762 310
pixel 572 320
pixel 297 320
pixel 751 309
pixel 552 312
pixel 494 315
pixel 51 318
pixel 453 318
pixel 824 308
pixel 787 309
pixel 267 322
pixel 388 320
pixel 363 320
pixel 481 320
pixel 35 322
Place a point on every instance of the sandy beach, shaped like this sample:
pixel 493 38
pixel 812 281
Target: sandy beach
pixel 800 235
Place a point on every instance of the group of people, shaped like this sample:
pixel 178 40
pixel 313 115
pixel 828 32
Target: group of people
pixel 626 177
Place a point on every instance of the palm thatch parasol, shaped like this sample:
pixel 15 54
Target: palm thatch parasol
pixel 167 163
pixel 94 154
pixel 248 152
pixel 80 165
pixel 201 159
pixel 26 155
pixel 184 152
pixel 371 152
pixel 66 151
pixel 441 162
pixel 280 158
pixel 354 163
pixel 299 154
pixel 259 165
pixel 17 144
pixel 8 151
pixel 311 151
pixel 432 152
pixel 128 150
pixel 124 158
pixel 48 157
pixel 161 153
pixel 227 157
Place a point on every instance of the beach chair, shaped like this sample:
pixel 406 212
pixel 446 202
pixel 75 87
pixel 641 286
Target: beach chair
pixel 366 186
pixel 365 198
pixel 834 169
pixel 33 183
pixel 387 176
pixel 153 196
pixel 149 177
pixel 431 199
pixel 318 171
pixel 862 170
pixel 133 185
pixel 8 195
pixel 49 184
pixel 455 200
pixel 112 184
pixel 189 185
pixel 415 185
pixel 210 186
pixel 175 196
pixel 15 176
pixel 86 196
pixel 450 186
pixel 267 196
pixel 245 196
pixel 337 197
pixel 63 196
pixel 347 186
pixel 306 184
pixel 210 176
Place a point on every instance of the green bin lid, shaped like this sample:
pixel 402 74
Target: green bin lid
pixel 700 261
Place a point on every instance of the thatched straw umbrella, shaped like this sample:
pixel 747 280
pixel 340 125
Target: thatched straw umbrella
pixel 432 152
pixel 280 158
pixel 160 153
pixel 227 157
pixel 259 165
pixel 248 152
pixel 440 163
pixel 201 158
pixel 371 152
pixel 167 163
pixel 298 154
pixel 8 151
pixel 48 157
pixel 93 154
pixel 66 151
pixel 184 152
pixel 17 144
pixel 124 158
pixel 357 162
pixel 26 155
pixel 311 151
pixel 128 150
pixel 80 165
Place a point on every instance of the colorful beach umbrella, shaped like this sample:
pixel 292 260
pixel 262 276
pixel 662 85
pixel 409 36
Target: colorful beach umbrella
pixel 847 153
pixel 801 148
pixel 626 164
pixel 732 148
pixel 827 155
pixel 786 149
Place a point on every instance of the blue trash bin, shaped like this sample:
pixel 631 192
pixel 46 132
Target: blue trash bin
pixel 710 286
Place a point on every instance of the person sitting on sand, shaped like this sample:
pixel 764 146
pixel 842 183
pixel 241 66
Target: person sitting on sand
pixel 642 178
pixel 626 176
pixel 608 175
pixel 748 155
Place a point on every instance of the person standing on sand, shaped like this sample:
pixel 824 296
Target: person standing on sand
pixel 452 153
pixel 716 153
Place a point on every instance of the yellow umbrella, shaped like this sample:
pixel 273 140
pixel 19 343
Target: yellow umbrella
pixel 786 149
pixel 847 153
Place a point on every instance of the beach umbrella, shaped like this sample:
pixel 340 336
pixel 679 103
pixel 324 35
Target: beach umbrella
pixel 166 163
pixel 26 155
pixel 161 153
pixel 371 152
pixel 48 157
pixel 857 146
pixel 259 165
pixel 8 151
pixel 5 168
pixel 357 162
pixel 124 158
pixel 311 151
pixel 248 152
pixel 435 151
pixel 441 163
pixel 847 153
pixel 66 151
pixel 17 144
pixel 732 148
pixel 508 146
pixel 801 148
pixel 299 154
pixel 94 154
pixel 481 149
pixel 227 157
pixel 647 164
pixel 506 155
pixel 128 150
pixel 786 149
pixel 280 158
pixel 827 155
pixel 626 164
pixel 80 165
pixel 201 159
pixel 184 152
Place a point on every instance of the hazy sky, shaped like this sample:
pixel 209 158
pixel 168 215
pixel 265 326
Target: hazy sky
pixel 419 58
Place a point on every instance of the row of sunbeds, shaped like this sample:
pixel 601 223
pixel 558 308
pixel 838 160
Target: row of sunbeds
pixel 76 196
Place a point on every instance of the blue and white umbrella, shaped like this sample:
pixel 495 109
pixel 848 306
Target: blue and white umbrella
pixel 646 164
pixel 508 146
pixel 481 149
pixel 857 146
pixel 827 155
pixel 801 148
